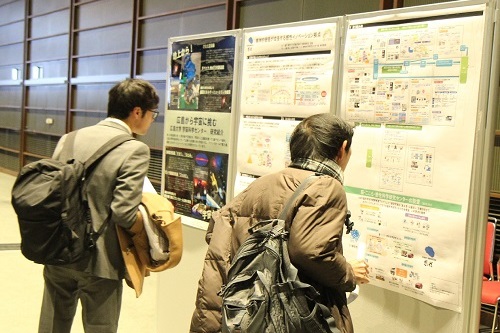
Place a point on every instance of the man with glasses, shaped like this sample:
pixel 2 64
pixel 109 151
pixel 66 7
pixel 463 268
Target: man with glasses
pixel 114 194
pixel 155 113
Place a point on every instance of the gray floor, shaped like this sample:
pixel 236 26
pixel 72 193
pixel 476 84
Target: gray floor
pixel 21 284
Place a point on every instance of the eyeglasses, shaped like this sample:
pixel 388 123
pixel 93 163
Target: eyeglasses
pixel 155 113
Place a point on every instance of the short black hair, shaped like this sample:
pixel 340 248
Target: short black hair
pixel 131 93
pixel 320 137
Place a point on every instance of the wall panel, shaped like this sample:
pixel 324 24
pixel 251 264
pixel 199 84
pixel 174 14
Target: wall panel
pixel 12 24
pixel 12 11
pixel 265 12
pixel 154 7
pixel 90 97
pixel 9 161
pixel 38 7
pixel 51 69
pixel 50 24
pixel 105 12
pixel 11 119
pixel 10 96
pixel 314 9
pixel 9 139
pixel 36 120
pixel 111 39
pixel 11 54
pixel 40 145
pixel 11 33
pixel 152 61
pixel 46 97
pixel 84 119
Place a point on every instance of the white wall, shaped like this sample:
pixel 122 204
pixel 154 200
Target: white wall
pixel 378 310
pixel 177 286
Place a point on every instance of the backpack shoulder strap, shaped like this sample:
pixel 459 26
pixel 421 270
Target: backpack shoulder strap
pixel 297 192
pixel 66 152
pixel 106 148
pixel 289 272
pixel 89 163
pixel 288 205
pixel 69 144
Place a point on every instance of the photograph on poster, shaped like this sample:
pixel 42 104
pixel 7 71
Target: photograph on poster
pixel 196 181
pixel 201 76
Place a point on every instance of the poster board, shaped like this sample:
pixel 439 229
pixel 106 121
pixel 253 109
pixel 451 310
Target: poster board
pixel 289 72
pixel 458 203
pixel 199 123
pixel 414 83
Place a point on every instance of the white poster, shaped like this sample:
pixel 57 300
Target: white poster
pixel 263 147
pixel 413 91
pixel 287 75
pixel 288 71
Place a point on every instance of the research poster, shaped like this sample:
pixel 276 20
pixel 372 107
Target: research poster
pixel 198 125
pixel 287 75
pixel 412 89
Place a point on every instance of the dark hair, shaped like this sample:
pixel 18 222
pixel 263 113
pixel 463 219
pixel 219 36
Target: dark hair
pixel 131 93
pixel 320 137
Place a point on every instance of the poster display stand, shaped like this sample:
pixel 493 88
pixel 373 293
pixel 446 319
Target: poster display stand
pixel 412 86
pixel 417 82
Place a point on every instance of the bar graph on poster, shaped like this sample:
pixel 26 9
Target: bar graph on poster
pixel 412 89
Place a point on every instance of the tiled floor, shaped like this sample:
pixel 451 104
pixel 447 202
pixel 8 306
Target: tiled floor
pixel 21 284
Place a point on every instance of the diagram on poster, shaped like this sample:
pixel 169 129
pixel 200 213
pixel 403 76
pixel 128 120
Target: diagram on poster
pixel 288 71
pixel 287 75
pixel 407 74
pixel 412 90
pixel 265 147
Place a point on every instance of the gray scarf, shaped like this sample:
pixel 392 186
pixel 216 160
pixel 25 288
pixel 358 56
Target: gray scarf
pixel 326 167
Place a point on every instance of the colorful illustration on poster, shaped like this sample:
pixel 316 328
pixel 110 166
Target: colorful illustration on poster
pixel 202 74
pixel 196 181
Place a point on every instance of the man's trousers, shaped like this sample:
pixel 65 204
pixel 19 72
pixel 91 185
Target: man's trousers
pixel 100 300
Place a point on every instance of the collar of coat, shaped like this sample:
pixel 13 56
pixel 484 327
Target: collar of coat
pixel 327 167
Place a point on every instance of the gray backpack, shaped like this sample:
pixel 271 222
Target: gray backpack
pixel 264 293
pixel 50 200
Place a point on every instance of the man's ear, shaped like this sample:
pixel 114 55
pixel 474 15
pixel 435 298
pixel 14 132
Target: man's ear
pixel 136 112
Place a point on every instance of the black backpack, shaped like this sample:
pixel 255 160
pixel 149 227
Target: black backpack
pixel 264 293
pixel 49 198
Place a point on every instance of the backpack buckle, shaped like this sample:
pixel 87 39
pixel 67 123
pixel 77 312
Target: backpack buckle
pixel 348 223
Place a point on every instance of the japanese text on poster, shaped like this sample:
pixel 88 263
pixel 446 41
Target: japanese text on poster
pixel 413 91
pixel 287 76
pixel 198 125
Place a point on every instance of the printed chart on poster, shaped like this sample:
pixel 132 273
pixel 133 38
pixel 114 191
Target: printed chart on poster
pixel 287 75
pixel 412 89
pixel 198 125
